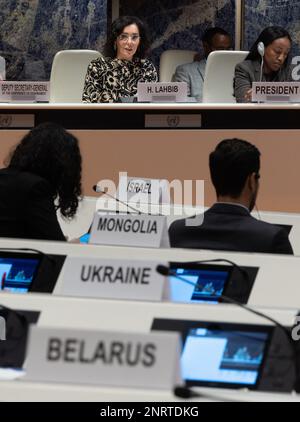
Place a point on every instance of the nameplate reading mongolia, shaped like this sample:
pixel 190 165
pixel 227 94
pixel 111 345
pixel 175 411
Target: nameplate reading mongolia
pixel 24 91
pixel 129 230
pixel 114 279
pixel 162 91
pixel 276 92
pixel 103 358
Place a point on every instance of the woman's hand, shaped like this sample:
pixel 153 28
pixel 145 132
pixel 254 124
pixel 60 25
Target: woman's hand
pixel 248 96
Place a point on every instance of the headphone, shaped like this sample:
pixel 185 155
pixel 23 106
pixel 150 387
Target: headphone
pixel 261 49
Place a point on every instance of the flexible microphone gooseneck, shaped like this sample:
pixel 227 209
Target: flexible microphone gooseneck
pixel 261 52
pixel 97 189
pixel 166 271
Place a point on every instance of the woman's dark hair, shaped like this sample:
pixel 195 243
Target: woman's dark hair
pixel 51 152
pixel 267 36
pixel 231 163
pixel 117 28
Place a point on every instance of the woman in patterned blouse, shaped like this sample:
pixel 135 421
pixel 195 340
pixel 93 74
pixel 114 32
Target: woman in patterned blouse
pixel 116 75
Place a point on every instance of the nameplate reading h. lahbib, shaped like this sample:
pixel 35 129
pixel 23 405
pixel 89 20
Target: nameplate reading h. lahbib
pixel 162 91
pixel 276 92
pixel 129 230
pixel 113 279
pixel 103 358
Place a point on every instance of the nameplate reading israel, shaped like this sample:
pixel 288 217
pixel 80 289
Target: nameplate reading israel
pixel 162 91
pixel 24 91
pixel 276 92
pixel 129 230
pixel 103 358
pixel 114 279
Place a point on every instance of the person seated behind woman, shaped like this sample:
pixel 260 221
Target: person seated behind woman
pixel 43 175
pixel 116 75
pixel 276 65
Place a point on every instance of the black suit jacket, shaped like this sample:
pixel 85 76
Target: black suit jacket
pixel 230 227
pixel 27 207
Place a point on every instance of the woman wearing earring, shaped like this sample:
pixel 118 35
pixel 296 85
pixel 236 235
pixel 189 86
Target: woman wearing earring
pixel 116 75
pixel 267 61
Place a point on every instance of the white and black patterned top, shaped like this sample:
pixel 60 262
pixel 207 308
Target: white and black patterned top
pixel 109 79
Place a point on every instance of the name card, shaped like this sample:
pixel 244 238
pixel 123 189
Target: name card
pixel 162 91
pixel 276 91
pixel 104 358
pixel 129 230
pixel 2 328
pixel 114 279
pixel 143 190
pixel 25 91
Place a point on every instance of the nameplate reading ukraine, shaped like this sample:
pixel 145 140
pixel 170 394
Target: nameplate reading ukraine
pixel 113 279
pixel 162 91
pixel 276 92
pixel 129 230
pixel 103 358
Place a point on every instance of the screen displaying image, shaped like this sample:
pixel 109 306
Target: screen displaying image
pixel 221 356
pixel 17 274
pixel 197 284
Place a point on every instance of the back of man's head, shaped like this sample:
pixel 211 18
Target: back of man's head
pixel 211 32
pixel 230 164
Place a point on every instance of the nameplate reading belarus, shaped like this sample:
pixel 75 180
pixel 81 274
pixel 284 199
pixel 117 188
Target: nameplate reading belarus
pixel 109 278
pixel 276 91
pixel 103 357
pixel 129 230
pixel 162 91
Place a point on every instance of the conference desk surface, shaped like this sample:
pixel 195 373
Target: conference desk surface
pixel 132 115
pixel 24 391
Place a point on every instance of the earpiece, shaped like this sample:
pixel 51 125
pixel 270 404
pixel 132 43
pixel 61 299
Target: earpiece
pixel 261 48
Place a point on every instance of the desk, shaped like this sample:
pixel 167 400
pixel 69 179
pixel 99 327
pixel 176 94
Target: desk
pixel 113 138
pixel 277 282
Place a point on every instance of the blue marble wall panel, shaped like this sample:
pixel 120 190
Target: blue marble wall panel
pixel 180 23
pixel 259 14
pixel 33 31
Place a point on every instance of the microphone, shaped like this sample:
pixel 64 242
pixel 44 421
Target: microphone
pixel 166 271
pixel 261 52
pixel 97 189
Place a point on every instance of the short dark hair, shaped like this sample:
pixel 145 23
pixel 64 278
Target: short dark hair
pixel 51 152
pixel 211 32
pixel 267 36
pixel 231 163
pixel 117 28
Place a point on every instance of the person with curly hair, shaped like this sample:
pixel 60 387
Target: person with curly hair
pixel 117 74
pixel 43 175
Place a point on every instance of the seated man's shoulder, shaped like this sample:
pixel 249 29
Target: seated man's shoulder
pixel 190 67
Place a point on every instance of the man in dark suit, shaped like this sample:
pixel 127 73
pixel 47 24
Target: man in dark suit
pixel 228 224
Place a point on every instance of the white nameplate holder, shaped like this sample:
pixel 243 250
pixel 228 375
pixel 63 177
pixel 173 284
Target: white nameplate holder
pixel 162 91
pixel 104 358
pixel 2 328
pixel 137 190
pixel 276 92
pixel 24 91
pixel 141 230
pixel 113 279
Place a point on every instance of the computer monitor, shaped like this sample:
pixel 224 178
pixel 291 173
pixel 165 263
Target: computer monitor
pixel 18 271
pixel 230 355
pixel 22 272
pixel 194 282
pixel 198 283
